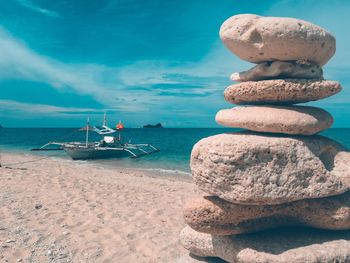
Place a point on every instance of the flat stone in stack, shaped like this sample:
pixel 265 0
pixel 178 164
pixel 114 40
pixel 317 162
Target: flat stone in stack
pixel 212 215
pixel 250 168
pixel 300 120
pixel 280 69
pixel 294 245
pixel 281 91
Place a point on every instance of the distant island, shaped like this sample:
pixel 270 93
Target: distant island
pixel 158 125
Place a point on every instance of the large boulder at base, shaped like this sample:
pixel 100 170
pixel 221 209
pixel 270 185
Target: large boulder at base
pixel 258 39
pixel 280 70
pixel 280 91
pixel 251 168
pixel 290 245
pixel 216 216
pixel 302 120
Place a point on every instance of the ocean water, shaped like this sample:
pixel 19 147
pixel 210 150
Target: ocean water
pixel 175 144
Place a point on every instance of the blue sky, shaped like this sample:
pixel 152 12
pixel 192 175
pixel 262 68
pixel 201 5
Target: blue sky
pixel 142 61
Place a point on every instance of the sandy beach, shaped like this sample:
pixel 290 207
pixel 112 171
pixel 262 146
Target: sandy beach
pixel 56 210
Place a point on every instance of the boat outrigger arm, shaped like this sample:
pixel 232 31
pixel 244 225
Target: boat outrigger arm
pixel 104 130
pixel 135 150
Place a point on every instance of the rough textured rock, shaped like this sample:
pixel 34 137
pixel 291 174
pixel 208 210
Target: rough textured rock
pixel 302 120
pixel 277 246
pixel 258 39
pixel 281 91
pixel 250 168
pixel 280 70
pixel 216 216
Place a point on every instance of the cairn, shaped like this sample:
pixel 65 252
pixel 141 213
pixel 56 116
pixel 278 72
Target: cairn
pixel 276 192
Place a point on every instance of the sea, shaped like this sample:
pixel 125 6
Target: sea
pixel 175 144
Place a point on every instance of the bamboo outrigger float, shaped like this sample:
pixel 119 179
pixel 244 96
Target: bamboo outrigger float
pixel 109 147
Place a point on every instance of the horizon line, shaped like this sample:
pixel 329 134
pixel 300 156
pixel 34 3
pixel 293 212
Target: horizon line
pixel 71 127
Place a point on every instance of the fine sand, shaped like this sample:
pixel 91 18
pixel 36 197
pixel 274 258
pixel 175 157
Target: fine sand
pixel 55 210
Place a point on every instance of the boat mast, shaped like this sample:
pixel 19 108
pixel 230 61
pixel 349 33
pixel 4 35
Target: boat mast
pixel 119 129
pixel 87 131
pixel 104 119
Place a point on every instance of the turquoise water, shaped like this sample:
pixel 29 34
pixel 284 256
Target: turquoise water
pixel 175 144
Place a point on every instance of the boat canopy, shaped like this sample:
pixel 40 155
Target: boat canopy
pixel 108 139
pixel 103 130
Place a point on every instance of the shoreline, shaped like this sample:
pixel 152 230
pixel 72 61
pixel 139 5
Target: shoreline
pixel 95 163
pixel 55 210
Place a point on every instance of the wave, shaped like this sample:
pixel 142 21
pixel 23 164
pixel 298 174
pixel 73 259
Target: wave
pixel 162 170
pixel 65 159
pixel 128 167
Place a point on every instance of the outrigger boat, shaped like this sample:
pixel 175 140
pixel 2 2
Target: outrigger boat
pixel 108 147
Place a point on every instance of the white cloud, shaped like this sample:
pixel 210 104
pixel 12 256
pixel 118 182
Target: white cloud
pixel 219 62
pixel 14 113
pixel 35 8
pixel 112 86
pixel 17 61
pixel 20 107
pixel 109 85
pixel 9 107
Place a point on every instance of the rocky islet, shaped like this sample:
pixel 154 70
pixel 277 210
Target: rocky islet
pixel 279 174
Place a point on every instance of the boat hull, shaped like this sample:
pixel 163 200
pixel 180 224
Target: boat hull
pixel 91 153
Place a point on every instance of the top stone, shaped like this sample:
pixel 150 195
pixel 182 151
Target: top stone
pixel 257 39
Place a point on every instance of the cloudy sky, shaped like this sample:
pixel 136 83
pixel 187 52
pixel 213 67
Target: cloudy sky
pixel 141 61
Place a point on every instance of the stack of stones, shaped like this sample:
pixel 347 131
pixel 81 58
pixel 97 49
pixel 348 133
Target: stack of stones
pixel 278 191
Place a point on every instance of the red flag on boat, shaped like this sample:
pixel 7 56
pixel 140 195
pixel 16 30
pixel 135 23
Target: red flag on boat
pixel 120 126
